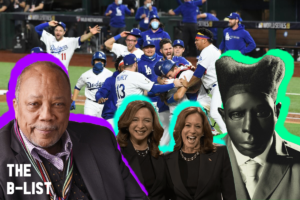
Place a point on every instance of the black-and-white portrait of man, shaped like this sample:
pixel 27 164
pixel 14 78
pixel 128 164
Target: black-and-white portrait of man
pixel 264 165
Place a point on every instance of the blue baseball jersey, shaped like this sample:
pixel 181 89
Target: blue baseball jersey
pixel 156 37
pixel 117 17
pixel 108 90
pixel 144 10
pixel 181 60
pixel 189 11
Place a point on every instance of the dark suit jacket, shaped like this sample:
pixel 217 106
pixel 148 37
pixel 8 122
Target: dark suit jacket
pixel 159 187
pixel 95 154
pixel 215 177
pixel 280 178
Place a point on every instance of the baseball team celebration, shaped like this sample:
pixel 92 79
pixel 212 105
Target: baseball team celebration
pixel 149 100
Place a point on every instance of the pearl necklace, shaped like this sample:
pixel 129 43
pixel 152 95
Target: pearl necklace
pixel 189 159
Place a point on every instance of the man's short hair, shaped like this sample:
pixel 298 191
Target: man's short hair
pixel 164 41
pixel 207 33
pixel 48 64
pixel 118 61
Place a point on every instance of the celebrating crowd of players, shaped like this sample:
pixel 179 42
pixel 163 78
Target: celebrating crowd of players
pixel 150 64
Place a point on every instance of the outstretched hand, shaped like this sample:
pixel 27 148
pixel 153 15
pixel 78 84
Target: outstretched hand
pixel 95 30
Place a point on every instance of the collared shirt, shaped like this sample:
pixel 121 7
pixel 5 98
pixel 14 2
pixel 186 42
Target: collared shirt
pixel 57 159
pixel 261 159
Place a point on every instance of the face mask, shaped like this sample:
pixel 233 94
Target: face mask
pixel 98 68
pixel 148 5
pixel 154 25
pixel 120 1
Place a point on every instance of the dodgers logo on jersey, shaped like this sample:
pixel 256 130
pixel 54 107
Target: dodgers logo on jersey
pixel 147 37
pixel 94 86
pixel 58 49
pixel 227 37
pixel 119 12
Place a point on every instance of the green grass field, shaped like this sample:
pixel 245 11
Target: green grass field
pixel 75 72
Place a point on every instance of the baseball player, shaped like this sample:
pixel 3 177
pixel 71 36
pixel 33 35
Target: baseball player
pixel 202 96
pixel 59 46
pixel 92 79
pixel 171 71
pixel 131 82
pixel 206 72
pixel 107 93
pixel 131 40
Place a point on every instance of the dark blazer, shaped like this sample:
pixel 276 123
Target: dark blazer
pixel 96 156
pixel 215 177
pixel 159 187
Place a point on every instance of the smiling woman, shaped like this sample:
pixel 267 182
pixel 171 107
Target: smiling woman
pixel 139 136
pixel 198 168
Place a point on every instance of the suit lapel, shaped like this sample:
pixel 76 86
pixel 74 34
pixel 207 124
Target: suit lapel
pixel 207 165
pixel 132 158
pixel 273 172
pixel 88 168
pixel 22 158
pixel 240 187
pixel 158 165
pixel 173 166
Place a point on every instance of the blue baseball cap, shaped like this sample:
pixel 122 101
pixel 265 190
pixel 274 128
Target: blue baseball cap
pixel 148 43
pixel 178 43
pixel 157 68
pixel 129 59
pixel 62 25
pixel 234 16
pixel 154 17
pixel 37 50
pixel 136 32
pixel 167 65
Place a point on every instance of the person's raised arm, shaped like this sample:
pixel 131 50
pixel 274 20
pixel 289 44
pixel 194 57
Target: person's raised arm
pixel 109 43
pixel 39 28
pixel 108 11
pixel 96 29
pixel 39 7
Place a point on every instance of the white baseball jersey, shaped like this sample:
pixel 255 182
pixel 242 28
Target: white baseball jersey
pixel 121 50
pixel 207 59
pixel 63 49
pixel 131 83
pixel 92 82
pixel 188 74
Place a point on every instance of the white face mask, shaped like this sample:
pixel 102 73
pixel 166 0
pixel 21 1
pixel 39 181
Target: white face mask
pixel 120 1
pixel 148 5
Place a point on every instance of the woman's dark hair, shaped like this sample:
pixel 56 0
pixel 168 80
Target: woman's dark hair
pixel 207 33
pixel 126 119
pixel 206 141
pixel 118 60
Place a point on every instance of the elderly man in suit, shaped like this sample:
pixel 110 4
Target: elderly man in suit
pixel 264 165
pixel 75 160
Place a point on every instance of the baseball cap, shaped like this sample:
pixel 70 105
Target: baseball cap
pixel 234 16
pixel 154 17
pixel 36 50
pixel 167 65
pixel 129 59
pixel 62 25
pixel 178 43
pixel 148 43
pixel 136 32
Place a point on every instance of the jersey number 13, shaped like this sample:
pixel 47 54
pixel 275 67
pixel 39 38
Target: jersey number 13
pixel 120 91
